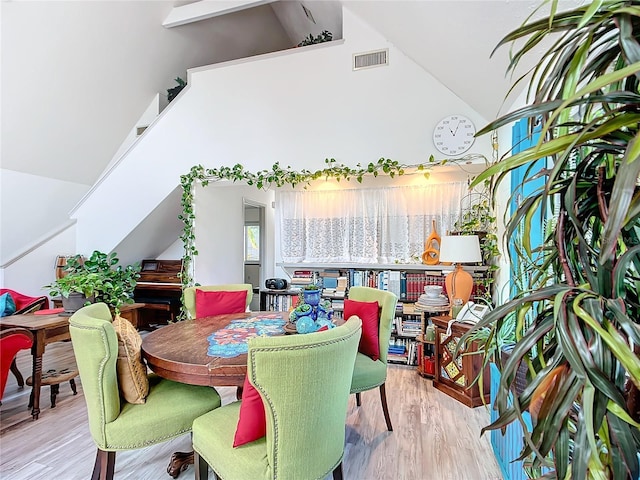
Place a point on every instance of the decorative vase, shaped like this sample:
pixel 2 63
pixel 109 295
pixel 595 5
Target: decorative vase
pixel 431 254
pixel 305 324
pixel 311 297
pixel 323 321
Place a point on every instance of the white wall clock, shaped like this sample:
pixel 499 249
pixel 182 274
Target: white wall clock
pixel 453 135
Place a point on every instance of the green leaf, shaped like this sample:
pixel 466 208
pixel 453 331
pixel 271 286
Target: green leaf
pixel 592 9
pixel 621 197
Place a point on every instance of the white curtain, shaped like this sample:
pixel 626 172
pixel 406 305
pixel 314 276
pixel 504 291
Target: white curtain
pixel 364 225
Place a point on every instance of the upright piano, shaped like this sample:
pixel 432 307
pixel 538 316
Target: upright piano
pixel 160 289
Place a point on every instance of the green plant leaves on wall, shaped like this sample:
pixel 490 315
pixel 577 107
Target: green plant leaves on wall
pixel 278 176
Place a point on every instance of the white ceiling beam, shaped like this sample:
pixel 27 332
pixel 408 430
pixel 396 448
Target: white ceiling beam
pixel 194 12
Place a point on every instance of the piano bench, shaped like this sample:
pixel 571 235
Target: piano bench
pixel 164 306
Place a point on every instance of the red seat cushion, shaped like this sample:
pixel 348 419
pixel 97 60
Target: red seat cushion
pixel 9 347
pixel 220 302
pixel 252 422
pixel 369 313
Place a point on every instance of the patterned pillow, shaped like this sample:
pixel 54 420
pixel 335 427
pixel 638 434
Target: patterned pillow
pixel 132 372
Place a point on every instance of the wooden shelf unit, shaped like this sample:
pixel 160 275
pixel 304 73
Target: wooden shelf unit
pixel 455 377
pixel 278 300
pixel 407 282
pixel 426 348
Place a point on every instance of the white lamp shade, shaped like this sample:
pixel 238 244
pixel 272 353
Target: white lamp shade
pixel 460 249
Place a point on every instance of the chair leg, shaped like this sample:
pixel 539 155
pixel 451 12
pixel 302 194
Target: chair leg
pixel 337 472
pixel 74 389
pixel 201 467
pixel 55 389
pixel 358 403
pixel 385 408
pixel 104 466
pixel 16 373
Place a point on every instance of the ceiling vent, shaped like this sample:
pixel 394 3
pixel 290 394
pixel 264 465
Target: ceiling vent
pixel 376 58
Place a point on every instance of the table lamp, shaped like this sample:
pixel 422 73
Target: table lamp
pixel 459 249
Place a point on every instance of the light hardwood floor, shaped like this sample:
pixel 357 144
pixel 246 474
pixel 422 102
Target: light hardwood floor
pixel 434 437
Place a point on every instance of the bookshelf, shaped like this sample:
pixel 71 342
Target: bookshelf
pixel 408 344
pixel 403 347
pixel 278 300
pixel 426 361
pixel 407 281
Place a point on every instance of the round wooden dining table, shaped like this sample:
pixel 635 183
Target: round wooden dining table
pixel 179 351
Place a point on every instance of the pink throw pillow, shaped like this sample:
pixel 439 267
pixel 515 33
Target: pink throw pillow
pixel 252 422
pixel 369 314
pixel 219 302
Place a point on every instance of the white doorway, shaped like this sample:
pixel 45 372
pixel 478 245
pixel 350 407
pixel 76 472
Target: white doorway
pixel 254 231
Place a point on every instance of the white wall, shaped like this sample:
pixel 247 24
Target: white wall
pixel 30 273
pixel 295 107
pixel 28 209
pixel 147 117
pixel 174 252
pixel 75 77
pixel 219 232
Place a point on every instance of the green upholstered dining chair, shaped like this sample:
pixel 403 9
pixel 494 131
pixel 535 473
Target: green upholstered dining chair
pixel 168 412
pixel 369 373
pixel 189 294
pixel 304 383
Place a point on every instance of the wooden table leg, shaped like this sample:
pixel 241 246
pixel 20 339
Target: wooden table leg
pixel 179 463
pixel 37 350
pixel 181 460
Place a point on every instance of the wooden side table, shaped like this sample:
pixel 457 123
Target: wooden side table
pixel 129 312
pixel 455 377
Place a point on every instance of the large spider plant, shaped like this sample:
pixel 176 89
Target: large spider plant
pixel 577 318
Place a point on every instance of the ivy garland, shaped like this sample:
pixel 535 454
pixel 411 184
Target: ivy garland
pixel 278 177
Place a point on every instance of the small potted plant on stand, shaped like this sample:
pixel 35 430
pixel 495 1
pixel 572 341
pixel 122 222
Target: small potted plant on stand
pixel 75 290
pixel 98 279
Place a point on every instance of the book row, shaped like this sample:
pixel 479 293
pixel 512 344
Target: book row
pixel 403 350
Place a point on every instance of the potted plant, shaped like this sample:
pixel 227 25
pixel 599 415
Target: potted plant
pixel 75 289
pixel 577 313
pixel 98 278
pixel 311 294
pixel 325 36
pixel 479 219
pixel 173 92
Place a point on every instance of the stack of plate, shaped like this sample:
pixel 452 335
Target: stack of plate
pixel 427 301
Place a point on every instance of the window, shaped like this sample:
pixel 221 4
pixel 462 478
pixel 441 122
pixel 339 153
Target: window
pixel 252 243
pixel 364 225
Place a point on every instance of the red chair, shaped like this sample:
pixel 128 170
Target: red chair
pixel 12 340
pixel 24 304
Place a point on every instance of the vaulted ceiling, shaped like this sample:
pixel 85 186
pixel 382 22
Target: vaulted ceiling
pixel 76 75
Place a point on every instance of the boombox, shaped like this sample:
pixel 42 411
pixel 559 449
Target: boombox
pixel 276 284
